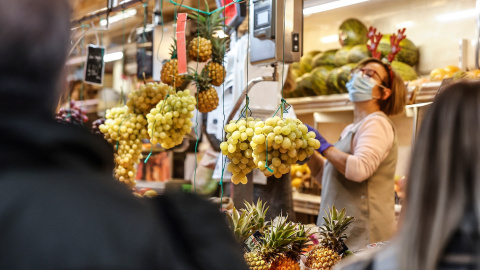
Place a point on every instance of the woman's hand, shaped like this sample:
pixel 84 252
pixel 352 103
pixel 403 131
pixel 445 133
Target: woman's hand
pixel 324 145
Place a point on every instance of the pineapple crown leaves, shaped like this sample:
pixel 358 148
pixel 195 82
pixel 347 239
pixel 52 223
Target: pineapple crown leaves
pixel 218 49
pixel 202 81
pixel 302 240
pixel 259 212
pixel 278 238
pixel 173 49
pixel 332 231
pixel 208 23
pixel 240 224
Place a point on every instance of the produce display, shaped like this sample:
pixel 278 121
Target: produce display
pixel 144 192
pixel 279 244
pixel 72 114
pixel 325 73
pixel 169 74
pixel 271 146
pixel 206 94
pixel 146 97
pixel 332 235
pixel 237 148
pixel 301 174
pixel 170 120
pixel 96 126
pixel 125 131
pixel 200 48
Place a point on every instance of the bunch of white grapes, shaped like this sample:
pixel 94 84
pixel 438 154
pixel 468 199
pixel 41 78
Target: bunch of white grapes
pixel 237 148
pixel 170 120
pixel 125 132
pixel 279 143
pixel 146 97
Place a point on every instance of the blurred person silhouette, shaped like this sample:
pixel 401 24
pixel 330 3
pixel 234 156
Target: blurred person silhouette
pixel 60 207
pixel 439 226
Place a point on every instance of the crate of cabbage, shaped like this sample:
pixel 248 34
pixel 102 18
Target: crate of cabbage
pixel 271 146
pixel 286 245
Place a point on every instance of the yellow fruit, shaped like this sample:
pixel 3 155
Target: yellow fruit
pixel 169 73
pixel 451 69
pixel 200 49
pixel 207 100
pixel 437 74
pixel 297 182
pixel 216 72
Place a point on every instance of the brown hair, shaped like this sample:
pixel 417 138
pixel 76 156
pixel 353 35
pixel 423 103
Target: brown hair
pixel 444 179
pixel 395 103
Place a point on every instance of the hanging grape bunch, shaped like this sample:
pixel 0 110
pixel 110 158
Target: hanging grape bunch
pixel 96 126
pixel 279 143
pixel 146 97
pixel 125 132
pixel 73 114
pixel 170 120
pixel 237 148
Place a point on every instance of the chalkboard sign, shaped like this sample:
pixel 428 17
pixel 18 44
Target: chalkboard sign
pixel 95 67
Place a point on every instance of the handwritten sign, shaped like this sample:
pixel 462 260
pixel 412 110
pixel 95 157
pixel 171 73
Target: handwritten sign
pixel 95 66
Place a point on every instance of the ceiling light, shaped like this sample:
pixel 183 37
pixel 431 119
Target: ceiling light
pixel 110 57
pixel 329 39
pixel 330 6
pixel 405 24
pixel 119 16
pixel 457 15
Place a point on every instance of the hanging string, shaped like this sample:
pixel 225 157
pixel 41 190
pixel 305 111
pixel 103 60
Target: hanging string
pixel 266 159
pixel 119 126
pixel 82 85
pixel 104 92
pixel 283 58
pixel 161 24
pixel 144 39
pixel 123 61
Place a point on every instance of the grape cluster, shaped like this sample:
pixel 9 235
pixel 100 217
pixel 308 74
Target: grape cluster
pixel 170 120
pixel 279 143
pixel 125 132
pixel 237 148
pixel 73 114
pixel 96 126
pixel 146 97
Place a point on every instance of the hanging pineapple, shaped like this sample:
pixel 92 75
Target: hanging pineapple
pixel 206 93
pixel 216 70
pixel 200 48
pixel 275 251
pixel 169 73
pixel 327 254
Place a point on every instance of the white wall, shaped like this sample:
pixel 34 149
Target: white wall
pixel 437 40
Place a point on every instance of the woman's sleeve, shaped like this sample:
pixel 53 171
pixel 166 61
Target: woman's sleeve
pixel 371 145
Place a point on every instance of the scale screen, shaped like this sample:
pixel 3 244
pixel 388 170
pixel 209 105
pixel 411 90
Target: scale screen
pixel 262 18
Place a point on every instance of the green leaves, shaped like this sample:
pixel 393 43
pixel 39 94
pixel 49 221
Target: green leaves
pixel 332 231
pixel 240 224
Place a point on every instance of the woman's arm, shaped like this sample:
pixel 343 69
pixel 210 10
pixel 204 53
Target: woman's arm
pixel 337 158
pixel 316 163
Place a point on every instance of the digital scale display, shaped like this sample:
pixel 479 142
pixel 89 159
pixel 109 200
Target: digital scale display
pixel 263 18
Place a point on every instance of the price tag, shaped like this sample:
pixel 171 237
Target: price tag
pixel 95 66
pixel 181 47
pixel 252 241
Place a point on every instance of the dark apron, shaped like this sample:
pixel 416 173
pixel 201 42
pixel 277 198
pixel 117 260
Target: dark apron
pixel 371 202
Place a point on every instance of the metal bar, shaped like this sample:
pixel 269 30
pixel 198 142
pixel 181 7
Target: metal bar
pixel 106 10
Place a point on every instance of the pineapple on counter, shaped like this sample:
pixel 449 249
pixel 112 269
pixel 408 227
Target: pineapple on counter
pixel 200 48
pixel 245 222
pixel 169 74
pixel 206 93
pixel 282 244
pixel 328 252
pixel 216 70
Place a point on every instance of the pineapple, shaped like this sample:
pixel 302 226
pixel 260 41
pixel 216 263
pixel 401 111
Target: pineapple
pixel 258 213
pixel 169 74
pixel 206 93
pixel 216 70
pixel 274 252
pixel 200 48
pixel 327 254
pixel 240 224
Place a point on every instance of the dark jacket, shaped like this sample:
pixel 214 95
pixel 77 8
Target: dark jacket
pixel 60 208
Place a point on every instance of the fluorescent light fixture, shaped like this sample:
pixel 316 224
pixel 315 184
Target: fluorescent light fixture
pixel 110 57
pixel 330 6
pixel 329 39
pixel 119 16
pixel 464 14
pixel 405 24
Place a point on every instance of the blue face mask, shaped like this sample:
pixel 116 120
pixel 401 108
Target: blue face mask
pixel 360 87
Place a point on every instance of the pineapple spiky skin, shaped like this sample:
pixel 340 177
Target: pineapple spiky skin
pixel 216 72
pixel 284 262
pixel 256 261
pixel 207 100
pixel 200 49
pixel 169 73
pixel 322 258
pixel 327 254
